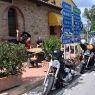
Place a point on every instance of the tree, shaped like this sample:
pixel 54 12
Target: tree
pixel 93 26
pixel 83 31
pixel 90 13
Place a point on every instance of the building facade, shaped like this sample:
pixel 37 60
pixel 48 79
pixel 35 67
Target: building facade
pixel 37 17
pixel 57 2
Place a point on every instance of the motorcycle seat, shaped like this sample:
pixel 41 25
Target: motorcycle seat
pixel 69 63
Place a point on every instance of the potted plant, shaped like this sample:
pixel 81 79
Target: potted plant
pixel 11 58
pixel 50 44
pixel 76 59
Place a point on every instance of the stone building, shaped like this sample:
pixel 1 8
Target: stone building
pixel 38 17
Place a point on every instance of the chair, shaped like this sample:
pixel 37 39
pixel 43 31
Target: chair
pixel 32 59
pixel 40 57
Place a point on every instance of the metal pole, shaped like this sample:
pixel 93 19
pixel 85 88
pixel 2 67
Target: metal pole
pixel 87 36
pixel 69 52
pixel 74 50
pixel 64 51
pixel 87 33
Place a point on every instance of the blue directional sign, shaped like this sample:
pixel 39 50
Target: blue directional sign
pixel 66 29
pixel 77 38
pixel 66 13
pixel 76 32
pixel 67 22
pixel 66 5
pixel 77 24
pixel 67 18
pixel 65 10
pixel 77 17
pixel 65 39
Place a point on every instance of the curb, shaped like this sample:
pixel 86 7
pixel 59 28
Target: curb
pixel 24 88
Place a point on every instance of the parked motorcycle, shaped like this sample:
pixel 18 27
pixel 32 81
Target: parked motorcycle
pixel 83 45
pixel 59 73
pixel 88 55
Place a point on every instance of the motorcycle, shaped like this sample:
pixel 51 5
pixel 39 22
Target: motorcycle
pixel 83 45
pixel 60 72
pixel 88 55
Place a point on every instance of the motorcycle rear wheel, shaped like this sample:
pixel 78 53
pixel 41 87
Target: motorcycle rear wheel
pixel 48 85
pixel 82 68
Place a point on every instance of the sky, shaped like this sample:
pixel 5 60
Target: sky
pixel 82 4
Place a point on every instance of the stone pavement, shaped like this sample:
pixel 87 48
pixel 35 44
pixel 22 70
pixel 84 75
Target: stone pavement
pixel 33 73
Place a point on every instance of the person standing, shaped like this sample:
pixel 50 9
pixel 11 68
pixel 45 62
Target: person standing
pixel 24 38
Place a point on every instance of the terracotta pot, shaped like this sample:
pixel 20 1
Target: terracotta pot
pixel 9 82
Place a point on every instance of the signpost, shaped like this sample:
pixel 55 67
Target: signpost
pixel 71 25
pixel 77 24
pixel 67 25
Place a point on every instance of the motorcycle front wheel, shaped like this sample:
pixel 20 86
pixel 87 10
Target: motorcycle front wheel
pixel 48 85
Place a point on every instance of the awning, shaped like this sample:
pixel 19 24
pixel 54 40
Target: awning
pixel 54 19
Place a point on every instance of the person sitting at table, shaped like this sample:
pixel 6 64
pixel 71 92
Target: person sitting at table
pixel 39 42
pixel 24 38
pixel 28 44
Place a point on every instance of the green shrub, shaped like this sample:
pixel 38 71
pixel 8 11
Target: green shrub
pixel 11 58
pixel 50 44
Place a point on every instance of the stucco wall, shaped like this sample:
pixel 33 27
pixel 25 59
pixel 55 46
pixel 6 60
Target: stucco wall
pixel 30 18
pixel 58 2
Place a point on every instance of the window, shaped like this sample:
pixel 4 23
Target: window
pixel 10 1
pixel 12 22
pixel 52 30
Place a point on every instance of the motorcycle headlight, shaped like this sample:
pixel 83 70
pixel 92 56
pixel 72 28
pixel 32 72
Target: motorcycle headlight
pixel 55 64
pixel 87 52
pixel 89 47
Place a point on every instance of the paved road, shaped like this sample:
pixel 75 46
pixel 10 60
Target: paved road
pixel 81 85
pixel 85 85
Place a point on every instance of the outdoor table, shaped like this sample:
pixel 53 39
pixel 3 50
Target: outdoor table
pixel 38 50
pixel 35 50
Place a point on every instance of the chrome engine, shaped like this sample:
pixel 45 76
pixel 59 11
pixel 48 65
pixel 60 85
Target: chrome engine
pixel 70 73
